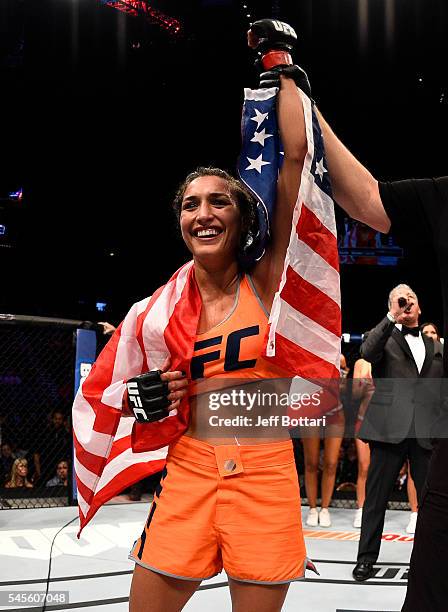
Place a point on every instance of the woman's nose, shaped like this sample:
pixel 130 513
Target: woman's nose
pixel 204 211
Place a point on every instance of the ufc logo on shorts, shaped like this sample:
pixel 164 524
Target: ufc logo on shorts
pixel 283 27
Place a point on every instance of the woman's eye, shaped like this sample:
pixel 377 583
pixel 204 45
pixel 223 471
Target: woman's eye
pixel 188 205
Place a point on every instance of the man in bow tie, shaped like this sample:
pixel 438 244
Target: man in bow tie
pixel 404 407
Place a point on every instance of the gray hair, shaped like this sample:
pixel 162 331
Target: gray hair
pixel 399 287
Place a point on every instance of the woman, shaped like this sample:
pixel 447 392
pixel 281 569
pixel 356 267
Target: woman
pixel 430 330
pixel 334 433
pixel 191 534
pixel 19 473
pixel 6 462
pixel 362 390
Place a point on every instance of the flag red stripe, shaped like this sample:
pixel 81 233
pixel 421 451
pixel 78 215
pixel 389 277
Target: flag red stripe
pixel 313 233
pixel 301 362
pixel 92 462
pixel 119 446
pixel 84 491
pixel 123 479
pixel 311 301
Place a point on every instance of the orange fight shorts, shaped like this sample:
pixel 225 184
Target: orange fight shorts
pixel 233 507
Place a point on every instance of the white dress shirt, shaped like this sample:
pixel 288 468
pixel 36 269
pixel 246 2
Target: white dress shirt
pixel 417 347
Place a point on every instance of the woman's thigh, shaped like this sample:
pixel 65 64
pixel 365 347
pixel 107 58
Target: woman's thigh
pixel 250 597
pixel 363 450
pixel 153 592
pixel 331 449
pixel 311 449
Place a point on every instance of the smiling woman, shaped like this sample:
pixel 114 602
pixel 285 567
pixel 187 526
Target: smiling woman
pixel 216 214
pixel 207 326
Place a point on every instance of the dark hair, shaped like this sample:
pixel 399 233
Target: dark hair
pixel 423 325
pixel 245 200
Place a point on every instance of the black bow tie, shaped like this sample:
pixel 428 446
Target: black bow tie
pixel 414 331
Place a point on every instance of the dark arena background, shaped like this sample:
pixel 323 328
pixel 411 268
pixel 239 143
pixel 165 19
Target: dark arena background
pixel 105 106
pixel 103 114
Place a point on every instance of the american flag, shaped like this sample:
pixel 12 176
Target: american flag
pixel 305 321
pixel 113 452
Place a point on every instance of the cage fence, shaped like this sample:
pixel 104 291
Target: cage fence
pixel 36 393
pixel 37 381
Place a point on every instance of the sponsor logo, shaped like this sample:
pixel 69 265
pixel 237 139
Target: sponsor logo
pixel 84 370
pixel 134 397
pixel 353 535
pixel 231 347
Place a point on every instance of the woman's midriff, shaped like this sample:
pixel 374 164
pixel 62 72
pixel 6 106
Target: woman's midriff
pixel 218 427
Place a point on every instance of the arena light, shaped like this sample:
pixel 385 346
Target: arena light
pixel 16 195
pixel 137 8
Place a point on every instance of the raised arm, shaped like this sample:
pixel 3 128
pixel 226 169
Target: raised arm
pixel 292 133
pixel 274 40
pixel 354 188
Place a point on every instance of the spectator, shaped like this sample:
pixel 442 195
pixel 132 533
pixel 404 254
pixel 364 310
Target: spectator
pixel 19 475
pixel 362 390
pixel 61 478
pixel 5 428
pixel 54 445
pixel 430 330
pixel 108 328
pixel 348 465
pixel 413 501
pixel 6 462
pixel 333 434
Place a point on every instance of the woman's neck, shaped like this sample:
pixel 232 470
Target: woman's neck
pixel 214 283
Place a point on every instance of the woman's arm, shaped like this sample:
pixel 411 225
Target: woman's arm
pixel 293 136
pixel 362 378
pixel 354 188
pixel 292 132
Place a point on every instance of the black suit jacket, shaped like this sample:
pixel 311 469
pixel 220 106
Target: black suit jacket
pixel 404 399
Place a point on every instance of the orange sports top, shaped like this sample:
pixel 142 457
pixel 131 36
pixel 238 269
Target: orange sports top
pixel 233 348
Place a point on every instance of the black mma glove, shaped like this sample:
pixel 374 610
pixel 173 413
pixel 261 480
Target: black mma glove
pixel 274 40
pixel 271 78
pixel 148 397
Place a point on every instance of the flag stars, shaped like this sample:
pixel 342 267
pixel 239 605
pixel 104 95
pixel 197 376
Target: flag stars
pixel 256 164
pixel 260 137
pixel 320 169
pixel 259 117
